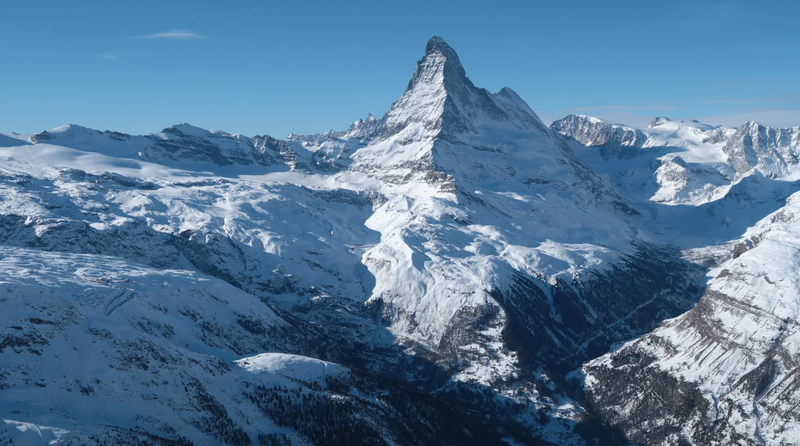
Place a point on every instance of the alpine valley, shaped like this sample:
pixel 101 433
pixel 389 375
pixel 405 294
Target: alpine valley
pixel 455 272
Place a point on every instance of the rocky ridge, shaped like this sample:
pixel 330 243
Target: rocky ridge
pixel 450 264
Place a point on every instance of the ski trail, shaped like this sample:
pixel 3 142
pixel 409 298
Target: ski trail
pixel 118 301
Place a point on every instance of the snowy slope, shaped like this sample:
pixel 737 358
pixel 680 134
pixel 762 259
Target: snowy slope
pixel 459 167
pixel 96 341
pixel 684 162
pixel 232 284
pixel 667 162
pixel 100 350
pixel 736 354
pixel 724 372
pixel 388 245
pixel 185 146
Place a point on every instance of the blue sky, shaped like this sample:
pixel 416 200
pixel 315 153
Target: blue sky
pixel 269 67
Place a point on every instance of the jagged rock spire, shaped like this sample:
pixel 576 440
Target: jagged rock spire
pixel 440 59
pixel 441 98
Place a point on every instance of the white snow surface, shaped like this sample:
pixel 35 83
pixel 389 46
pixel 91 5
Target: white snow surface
pixel 682 162
pixel 114 231
pixel 129 338
pixel 426 210
pixel 746 323
pixel 291 366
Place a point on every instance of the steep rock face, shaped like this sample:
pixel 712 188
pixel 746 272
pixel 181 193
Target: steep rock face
pixel 725 372
pixel 773 151
pixel 460 166
pixel 613 141
pixel 440 97
pixel 440 105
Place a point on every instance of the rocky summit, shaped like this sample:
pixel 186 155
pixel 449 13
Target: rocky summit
pixel 454 272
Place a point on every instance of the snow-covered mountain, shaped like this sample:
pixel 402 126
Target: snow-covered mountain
pixel 684 162
pixel 774 151
pixel 726 371
pixel 667 162
pixel 431 276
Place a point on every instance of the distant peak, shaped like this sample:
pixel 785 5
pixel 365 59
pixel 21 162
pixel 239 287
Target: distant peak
pixel 659 120
pixel 578 118
pixel 186 129
pixel 67 128
pixel 753 127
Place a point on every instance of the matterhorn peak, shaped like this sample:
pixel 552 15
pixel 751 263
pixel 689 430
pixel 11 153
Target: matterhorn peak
pixel 440 64
pixel 437 46
pixel 436 43
pixel 440 97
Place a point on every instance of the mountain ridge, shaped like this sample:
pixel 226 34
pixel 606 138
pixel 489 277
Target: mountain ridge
pixel 448 265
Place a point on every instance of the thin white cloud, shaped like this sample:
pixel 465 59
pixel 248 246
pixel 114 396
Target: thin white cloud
pixel 109 56
pixel 174 34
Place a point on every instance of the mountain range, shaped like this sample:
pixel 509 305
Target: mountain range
pixel 453 272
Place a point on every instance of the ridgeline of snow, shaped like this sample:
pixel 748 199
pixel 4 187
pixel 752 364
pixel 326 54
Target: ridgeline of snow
pixel 178 284
pixel 682 162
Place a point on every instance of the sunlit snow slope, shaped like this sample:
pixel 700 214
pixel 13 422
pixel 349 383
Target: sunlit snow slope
pixel 432 276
